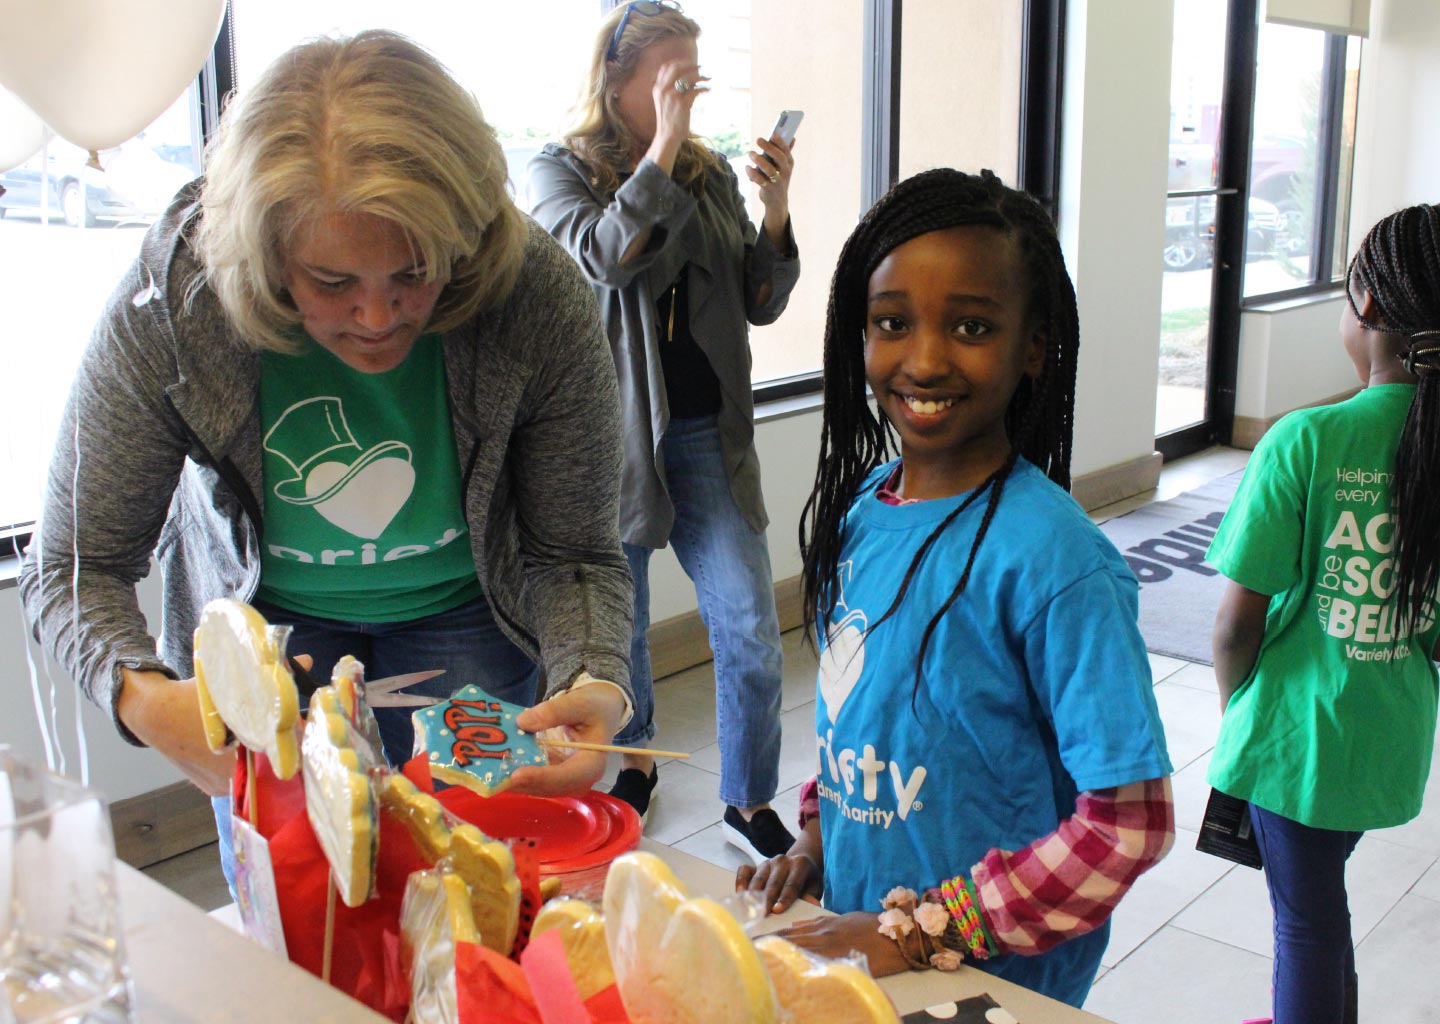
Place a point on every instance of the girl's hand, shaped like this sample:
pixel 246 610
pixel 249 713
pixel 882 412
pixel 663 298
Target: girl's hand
pixel 770 168
pixel 783 880
pixel 672 108
pixel 836 936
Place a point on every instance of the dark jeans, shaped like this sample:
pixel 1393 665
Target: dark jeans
pixel 1314 977
pixel 465 641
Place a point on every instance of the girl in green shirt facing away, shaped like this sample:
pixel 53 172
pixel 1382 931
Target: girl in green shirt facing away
pixel 1325 636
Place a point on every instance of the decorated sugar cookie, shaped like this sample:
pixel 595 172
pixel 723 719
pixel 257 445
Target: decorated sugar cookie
pixel 339 798
pixel 434 916
pixel 472 740
pixel 348 678
pixel 812 989
pixel 244 685
pixel 485 864
pixel 670 952
pixel 582 933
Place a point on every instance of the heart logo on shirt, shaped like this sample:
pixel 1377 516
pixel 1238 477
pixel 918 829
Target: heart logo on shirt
pixel 842 662
pixel 369 500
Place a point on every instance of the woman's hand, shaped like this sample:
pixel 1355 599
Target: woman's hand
pixel 164 713
pixel 770 168
pixel 590 714
pixel 783 880
pixel 672 109
pixel 835 936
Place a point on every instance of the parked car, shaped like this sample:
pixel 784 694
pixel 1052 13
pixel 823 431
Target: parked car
pixel 1190 231
pixel 135 184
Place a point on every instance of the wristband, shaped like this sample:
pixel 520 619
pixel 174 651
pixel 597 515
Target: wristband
pixel 965 911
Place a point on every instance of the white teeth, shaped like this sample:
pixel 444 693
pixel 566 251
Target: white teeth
pixel 928 408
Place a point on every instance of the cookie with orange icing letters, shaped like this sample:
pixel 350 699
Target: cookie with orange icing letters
pixel 472 740
pixel 582 933
pixel 434 916
pixel 812 989
pixel 670 953
pixel 340 799
pixel 244 685
pixel 486 865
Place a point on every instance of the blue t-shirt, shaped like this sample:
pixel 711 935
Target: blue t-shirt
pixel 1036 687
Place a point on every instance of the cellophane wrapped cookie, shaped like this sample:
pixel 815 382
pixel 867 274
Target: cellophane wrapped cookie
pixel 434 916
pixel 340 798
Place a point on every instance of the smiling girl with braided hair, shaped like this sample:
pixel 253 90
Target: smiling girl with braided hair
pixel 1324 639
pixel 987 731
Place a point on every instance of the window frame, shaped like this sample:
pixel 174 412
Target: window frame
pixel 1322 283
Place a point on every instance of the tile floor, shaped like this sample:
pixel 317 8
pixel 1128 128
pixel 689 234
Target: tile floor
pixel 1191 942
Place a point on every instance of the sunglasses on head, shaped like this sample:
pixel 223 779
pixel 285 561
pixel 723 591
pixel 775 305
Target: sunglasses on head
pixel 645 7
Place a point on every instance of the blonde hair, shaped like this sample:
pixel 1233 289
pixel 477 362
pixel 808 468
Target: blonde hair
pixel 597 133
pixel 369 124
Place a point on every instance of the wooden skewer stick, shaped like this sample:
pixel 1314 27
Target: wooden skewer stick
pixel 610 748
pixel 252 790
pixel 329 931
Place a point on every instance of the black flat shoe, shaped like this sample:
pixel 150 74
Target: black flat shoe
pixel 636 789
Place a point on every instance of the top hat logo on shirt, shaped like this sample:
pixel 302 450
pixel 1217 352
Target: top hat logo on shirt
pixel 357 489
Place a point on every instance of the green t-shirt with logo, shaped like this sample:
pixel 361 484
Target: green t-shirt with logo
pixel 363 513
pixel 1335 726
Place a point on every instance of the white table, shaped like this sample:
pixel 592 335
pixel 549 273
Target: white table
pixel 911 991
pixel 187 967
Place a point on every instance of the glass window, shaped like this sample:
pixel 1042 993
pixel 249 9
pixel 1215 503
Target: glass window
pixel 753 55
pixel 1299 169
pixel 67 233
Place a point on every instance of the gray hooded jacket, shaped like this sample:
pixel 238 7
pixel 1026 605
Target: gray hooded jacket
pixel 164 415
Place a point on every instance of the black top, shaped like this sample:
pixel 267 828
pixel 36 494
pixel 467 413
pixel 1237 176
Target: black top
pixel 690 383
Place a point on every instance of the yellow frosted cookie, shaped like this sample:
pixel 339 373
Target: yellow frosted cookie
pixel 582 933
pixel 670 953
pixel 348 678
pixel 339 797
pixel 810 989
pixel 244 685
pixel 434 916
pixel 485 864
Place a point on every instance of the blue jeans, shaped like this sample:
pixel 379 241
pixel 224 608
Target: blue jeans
pixel 1314 975
pixel 729 563
pixel 465 641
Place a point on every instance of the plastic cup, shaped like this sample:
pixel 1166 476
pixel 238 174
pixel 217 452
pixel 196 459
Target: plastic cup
pixel 62 957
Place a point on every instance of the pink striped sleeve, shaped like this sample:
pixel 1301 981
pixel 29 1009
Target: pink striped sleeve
pixel 809 800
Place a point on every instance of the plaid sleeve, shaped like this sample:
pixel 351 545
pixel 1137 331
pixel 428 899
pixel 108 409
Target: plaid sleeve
pixel 1068 882
pixel 809 800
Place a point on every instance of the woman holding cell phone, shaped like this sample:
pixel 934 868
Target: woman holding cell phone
pixel 657 222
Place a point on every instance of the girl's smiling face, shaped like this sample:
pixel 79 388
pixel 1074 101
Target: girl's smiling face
pixel 948 337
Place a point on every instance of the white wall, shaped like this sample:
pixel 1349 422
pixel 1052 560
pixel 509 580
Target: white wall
pixel 1116 121
pixel 115 768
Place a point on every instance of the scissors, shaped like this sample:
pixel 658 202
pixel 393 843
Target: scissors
pixel 379 693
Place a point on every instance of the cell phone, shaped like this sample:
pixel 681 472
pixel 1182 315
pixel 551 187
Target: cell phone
pixel 785 126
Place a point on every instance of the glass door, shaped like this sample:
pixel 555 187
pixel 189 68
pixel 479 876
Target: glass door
pixel 1193 194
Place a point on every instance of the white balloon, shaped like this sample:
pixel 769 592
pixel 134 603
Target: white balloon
pixel 99 72
pixel 22 133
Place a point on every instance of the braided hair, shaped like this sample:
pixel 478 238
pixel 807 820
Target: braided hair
pixel 1398 264
pixel 854 440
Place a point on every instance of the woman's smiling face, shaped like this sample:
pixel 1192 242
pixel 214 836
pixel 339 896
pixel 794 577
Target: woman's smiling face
pixel 948 337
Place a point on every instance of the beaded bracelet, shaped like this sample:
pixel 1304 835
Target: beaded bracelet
pixel 965 911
